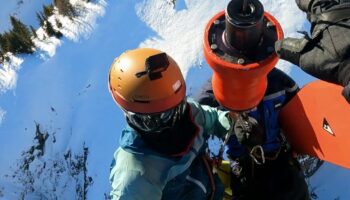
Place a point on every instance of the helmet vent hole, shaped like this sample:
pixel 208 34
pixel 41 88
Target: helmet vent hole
pixel 141 101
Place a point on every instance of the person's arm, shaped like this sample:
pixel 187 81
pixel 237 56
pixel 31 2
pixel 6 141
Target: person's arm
pixel 129 180
pixel 220 122
pixel 213 121
pixel 217 121
pixel 279 81
pixel 206 96
pixel 326 53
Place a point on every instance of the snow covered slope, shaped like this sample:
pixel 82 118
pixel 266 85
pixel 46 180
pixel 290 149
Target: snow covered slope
pixel 58 116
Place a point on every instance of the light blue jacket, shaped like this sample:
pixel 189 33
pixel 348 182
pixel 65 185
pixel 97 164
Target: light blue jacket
pixel 139 172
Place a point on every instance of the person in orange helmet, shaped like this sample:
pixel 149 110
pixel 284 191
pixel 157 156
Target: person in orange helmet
pixel 162 149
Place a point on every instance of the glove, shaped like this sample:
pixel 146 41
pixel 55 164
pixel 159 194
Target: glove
pixel 346 93
pixel 326 53
pixel 248 131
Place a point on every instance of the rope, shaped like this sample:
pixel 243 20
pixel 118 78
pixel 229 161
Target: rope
pixel 210 175
pixel 253 154
pixel 218 158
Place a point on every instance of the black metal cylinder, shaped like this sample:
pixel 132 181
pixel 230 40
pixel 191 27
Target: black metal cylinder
pixel 244 24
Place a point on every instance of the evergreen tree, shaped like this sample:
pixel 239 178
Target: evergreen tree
pixel 19 27
pixel 65 8
pixel 14 43
pixel 1 56
pixel 33 31
pixel 20 37
pixel 58 23
pixel 1 51
pixel 5 42
pixel 48 10
pixel 2 42
pixel 51 31
pixel 41 18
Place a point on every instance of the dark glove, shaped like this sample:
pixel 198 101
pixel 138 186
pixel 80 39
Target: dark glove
pixel 326 53
pixel 346 92
pixel 248 131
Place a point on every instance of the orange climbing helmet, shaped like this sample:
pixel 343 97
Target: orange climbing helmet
pixel 146 81
pixel 148 85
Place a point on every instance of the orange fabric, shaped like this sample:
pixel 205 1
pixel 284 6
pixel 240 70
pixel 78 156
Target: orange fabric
pixel 317 122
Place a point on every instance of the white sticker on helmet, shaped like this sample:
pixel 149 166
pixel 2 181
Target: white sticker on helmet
pixel 176 85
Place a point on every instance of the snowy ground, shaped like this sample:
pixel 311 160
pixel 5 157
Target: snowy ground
pixel 62 99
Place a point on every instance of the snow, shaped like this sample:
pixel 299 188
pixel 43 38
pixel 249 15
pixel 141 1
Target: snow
pixel 73 29
pixel 46 46
pixel 8 75
pixel 79 27
pixel 179 33
pixel 66 92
